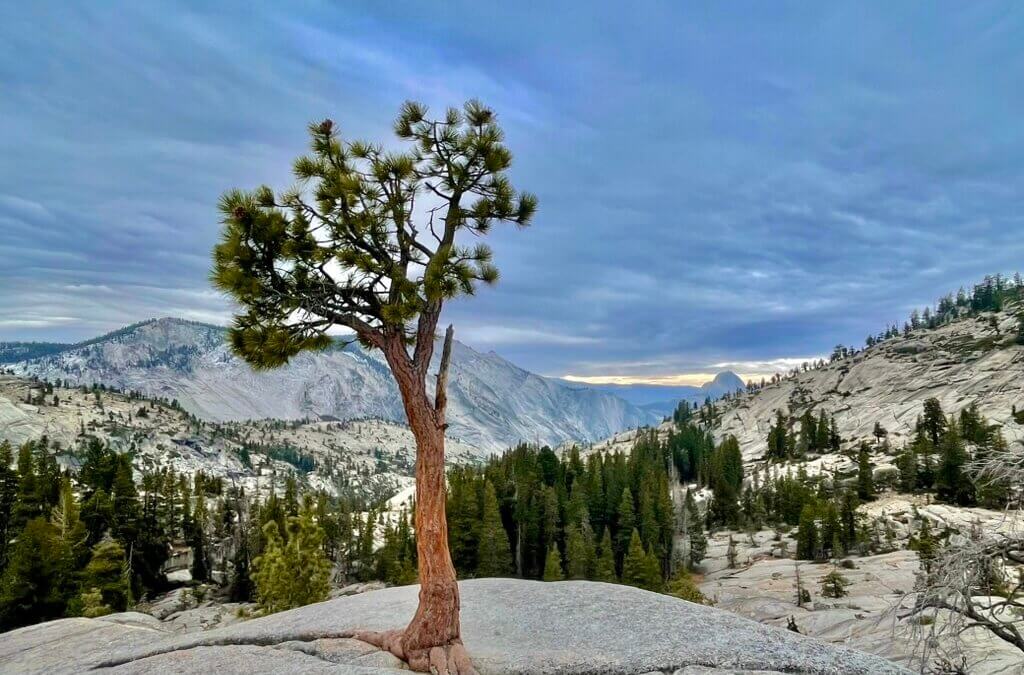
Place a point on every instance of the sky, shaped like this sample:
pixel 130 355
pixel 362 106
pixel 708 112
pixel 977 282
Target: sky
pixel 722 185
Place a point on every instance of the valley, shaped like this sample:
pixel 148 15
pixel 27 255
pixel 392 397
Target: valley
pixel 493 403
pixel 719 498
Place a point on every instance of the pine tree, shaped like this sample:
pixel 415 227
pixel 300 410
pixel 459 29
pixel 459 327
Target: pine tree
pixel 553 565
pixel 952 483
pixel 933 421
pixel 357 211
pixel 70 531
pixel 604 568
pixel 653 579
pixel 681 586
pixel 865 478
pixel 639 567
pixel 8 497
pixel 807 535
pixel 924 543
pixel 91 604
pixel 107 573
pixel 833 584
pixel 626 523
pixel 292 571
pixel 494 553
pixel 906 464
pixel 695 525
pixel 32 586
pixel 579 551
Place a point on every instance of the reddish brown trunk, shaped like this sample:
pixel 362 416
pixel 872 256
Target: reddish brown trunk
pixel 436 622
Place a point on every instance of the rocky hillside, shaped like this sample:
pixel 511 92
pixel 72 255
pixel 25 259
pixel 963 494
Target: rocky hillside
pixel 971 360
pixel 370 458
pixel 510 627
pixel 492 404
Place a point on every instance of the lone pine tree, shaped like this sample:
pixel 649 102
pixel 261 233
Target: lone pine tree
pixel 368 242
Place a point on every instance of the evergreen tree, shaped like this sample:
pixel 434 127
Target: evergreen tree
pixel 906 464
pixel 777 446
pixel 494 553
pixel 698 542
pixel 553 565
pixel 807 535
pixel 865 478
pixel 107 572
pixel 293 570
pixel 653 579
pixel 626 523
pixel 923 542
pixel 952 484
pixel 681 586
pixel 604 568
pixel 91 604
pixel 639 567
pixel 8 497
pixel 71 533
pixel 28 503
pixel 833 584
pixel 32 586
pixel 579 552
pixel 359 255
pixel 933 422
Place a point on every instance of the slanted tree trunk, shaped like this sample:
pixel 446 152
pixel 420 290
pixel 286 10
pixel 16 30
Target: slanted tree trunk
pixel 432 640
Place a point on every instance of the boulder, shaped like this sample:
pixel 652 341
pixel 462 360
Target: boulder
pixel 509 626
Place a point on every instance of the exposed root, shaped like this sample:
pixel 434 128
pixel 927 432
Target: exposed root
pixel 449 659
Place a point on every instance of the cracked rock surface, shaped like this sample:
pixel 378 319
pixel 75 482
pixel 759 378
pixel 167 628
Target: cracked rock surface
pixel 510 626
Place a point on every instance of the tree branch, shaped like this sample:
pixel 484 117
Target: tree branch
pixel 441 394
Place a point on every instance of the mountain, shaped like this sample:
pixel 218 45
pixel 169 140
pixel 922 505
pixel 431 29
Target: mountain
pixel 661 400
pixel 971 360
pixel 366 458
pixel 492 404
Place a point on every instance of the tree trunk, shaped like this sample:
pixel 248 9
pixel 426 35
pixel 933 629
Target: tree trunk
pixel 436 622
pixel 434 630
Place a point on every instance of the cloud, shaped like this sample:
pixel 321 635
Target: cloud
pixel 769 367
pixel 502 335
pixel 713 193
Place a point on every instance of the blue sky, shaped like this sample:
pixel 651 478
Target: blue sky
pixel 720 184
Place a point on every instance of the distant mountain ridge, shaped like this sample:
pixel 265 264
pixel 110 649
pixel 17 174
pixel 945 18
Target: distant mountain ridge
pixel 661 400
pixel 493 404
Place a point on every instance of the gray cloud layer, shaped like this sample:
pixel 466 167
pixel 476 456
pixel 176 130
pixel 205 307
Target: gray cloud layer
pixel 731 184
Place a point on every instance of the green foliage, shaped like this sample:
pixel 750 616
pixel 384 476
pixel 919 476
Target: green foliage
pixel 865 479
pixel 604 567
pixel 951 482
pixel 681 586
pixel 107 572
pixel 34 583
pixel 906 464
pixel 91 602
pixel 833 584
pixel 293 570
pixel 778 446
pixel 8 499
pixel 494 555
pixel 695 528
pixel 553 565
pixel 580 553
pixel 807 542
pixel 933 422
pixel 396 559
pixel 923 541
pixel 725 477
pixel 640 568
pixel 355 208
